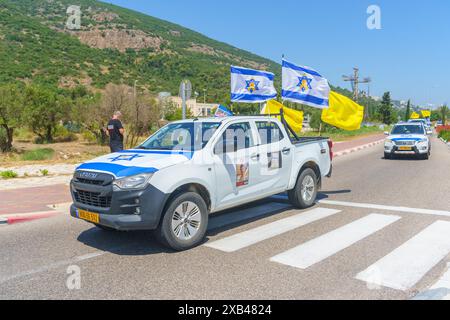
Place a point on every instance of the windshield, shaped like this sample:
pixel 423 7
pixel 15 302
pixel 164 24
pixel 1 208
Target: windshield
pixel 417 121
pixel 189 136
pixel 405 129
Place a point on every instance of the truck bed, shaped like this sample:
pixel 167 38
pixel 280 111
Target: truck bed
pixel 303 140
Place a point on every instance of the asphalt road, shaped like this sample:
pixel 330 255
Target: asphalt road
pixel 379 231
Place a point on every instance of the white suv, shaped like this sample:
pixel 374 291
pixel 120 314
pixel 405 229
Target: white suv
pixel 407 139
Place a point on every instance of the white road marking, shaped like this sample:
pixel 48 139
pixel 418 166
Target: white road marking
pixel 245 214
pixel 438 291
pixel 388 208
pixel 52 266
pixel 318 249
pixel 252 236
pixel 405 266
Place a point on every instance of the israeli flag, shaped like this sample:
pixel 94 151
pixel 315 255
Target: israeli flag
pixel 252 86
pixel 304 85
pixel 223 111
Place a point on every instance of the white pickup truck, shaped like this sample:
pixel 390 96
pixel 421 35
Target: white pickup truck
pixel 189 169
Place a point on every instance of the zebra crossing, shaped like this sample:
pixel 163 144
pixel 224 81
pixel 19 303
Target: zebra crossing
pixel 400 269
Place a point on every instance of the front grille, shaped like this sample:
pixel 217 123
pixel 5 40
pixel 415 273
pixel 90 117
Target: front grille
pixel 90 181
pixel 405 143
pixel 92 199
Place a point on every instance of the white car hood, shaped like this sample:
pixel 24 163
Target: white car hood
pixel 130 162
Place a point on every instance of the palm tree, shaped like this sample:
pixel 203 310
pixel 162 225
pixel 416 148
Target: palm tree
pixel 444 112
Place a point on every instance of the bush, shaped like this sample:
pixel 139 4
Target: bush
pixel 23 135
pixel 442 128
pixel 8 174
pixel 62 134
pixel 89 137
pixel 38 154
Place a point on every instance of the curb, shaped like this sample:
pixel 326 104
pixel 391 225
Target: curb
pixel 351 150
pixel 447 143
pixel 24 217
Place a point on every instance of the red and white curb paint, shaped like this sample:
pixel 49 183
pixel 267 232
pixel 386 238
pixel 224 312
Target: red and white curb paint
pixel 24 217
pixel 30 216
pixel 351 150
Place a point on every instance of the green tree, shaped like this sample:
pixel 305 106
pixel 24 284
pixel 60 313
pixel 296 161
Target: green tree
pixel 386 111
pixel 11 111
pixel 408 111
pixel 44 109
pixel 177 114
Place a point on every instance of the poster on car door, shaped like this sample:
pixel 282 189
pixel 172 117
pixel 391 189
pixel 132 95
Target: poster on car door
pixel 242 174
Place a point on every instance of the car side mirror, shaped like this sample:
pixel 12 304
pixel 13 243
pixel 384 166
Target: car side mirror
pixel 386 133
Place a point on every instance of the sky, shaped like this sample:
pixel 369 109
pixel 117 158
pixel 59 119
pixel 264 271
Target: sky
pixel 408 56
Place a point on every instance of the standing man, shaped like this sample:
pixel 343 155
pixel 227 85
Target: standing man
pixel 115 132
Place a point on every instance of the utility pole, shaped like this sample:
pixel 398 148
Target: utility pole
pixel 185 95
pixel 355 81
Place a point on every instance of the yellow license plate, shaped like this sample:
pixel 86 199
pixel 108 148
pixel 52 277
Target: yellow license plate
pixel 88 216
pixel 404 148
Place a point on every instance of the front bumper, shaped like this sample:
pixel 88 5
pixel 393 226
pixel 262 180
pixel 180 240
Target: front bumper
pixel 127 210
pixel 415 150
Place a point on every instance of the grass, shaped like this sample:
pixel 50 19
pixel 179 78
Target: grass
pixel 444 134
pixel 8 174
pixel 342 135
pixel 38 154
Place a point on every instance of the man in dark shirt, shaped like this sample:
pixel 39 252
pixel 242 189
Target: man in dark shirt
pixel 115 132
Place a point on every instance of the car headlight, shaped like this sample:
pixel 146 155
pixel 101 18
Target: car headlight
pixel 138 181
pixel 422 140
pixel 388 141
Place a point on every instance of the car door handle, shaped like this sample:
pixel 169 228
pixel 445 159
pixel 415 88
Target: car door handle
pixel 254 157
pixel 286 150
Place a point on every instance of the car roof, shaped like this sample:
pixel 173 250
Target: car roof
pixel 225 119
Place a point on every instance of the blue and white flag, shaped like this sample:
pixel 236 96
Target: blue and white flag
pixel 304 85
pixel 223 111
pixel 252 86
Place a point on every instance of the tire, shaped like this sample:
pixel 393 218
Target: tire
pixel 105 228
pixel 425 156
pixel 176 230
pixel 305 191
pixel 387 156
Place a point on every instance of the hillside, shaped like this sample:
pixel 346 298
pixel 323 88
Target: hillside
pixel 113 45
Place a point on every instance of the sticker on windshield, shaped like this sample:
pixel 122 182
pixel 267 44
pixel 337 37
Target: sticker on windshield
pixel 242 174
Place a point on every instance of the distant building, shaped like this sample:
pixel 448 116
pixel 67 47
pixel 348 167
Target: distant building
pixel 376 98
pixel 197 109
pixel 206 109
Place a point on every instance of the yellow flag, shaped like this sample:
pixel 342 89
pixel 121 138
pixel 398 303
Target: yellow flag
pixel 343 112
pixel 426 113
pixel 415 115
pixel 294 118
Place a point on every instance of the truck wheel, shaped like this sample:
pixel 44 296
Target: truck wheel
pixel 305 191
pixel 184 223
pixel 387 156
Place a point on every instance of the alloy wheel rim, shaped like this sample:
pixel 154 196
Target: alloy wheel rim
pixel 186 220
pixel 307 188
